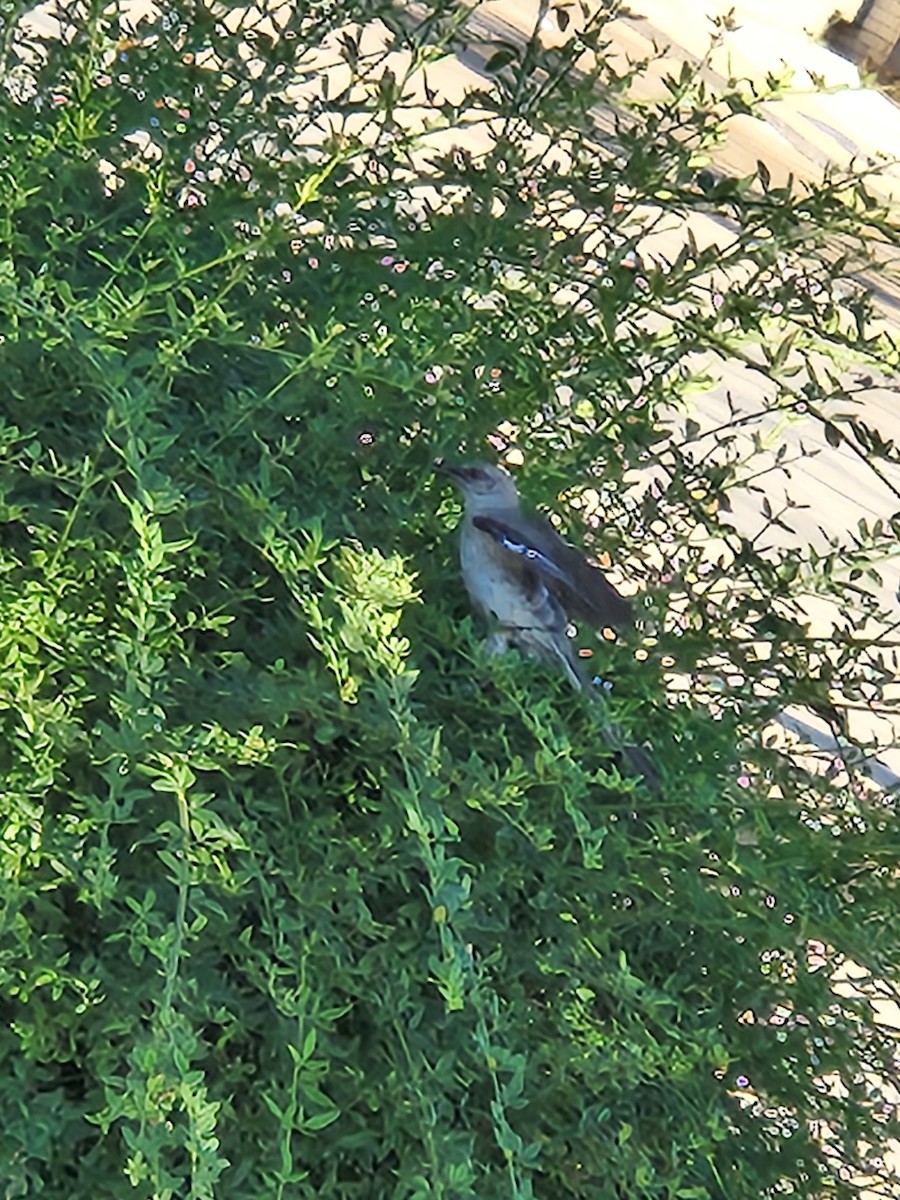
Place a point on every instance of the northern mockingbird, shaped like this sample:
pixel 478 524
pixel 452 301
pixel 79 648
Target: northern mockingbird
pixel 528 584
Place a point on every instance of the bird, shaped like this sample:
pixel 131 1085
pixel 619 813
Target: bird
pixel 529 585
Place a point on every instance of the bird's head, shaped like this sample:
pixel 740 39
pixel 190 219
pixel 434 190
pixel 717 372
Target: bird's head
pixel 485 486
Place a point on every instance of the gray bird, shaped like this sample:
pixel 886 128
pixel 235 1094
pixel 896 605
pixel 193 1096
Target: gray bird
pixel 528 584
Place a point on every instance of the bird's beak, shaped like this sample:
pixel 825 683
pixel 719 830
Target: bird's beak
pixel 444 468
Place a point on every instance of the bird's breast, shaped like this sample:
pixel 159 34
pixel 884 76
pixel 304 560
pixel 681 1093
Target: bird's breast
pixel 502 587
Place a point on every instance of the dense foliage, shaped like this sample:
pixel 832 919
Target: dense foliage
pixel 302 895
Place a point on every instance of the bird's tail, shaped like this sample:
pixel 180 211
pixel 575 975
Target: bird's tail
pixel 557 648
pixel 634 757
pixel 553 647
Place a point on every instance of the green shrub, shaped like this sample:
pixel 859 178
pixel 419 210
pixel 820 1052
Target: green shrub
pixel 302 896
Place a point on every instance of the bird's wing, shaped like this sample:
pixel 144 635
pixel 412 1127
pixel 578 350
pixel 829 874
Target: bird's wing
pixel 582 589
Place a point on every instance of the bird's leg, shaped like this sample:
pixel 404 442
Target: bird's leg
pixel 496 643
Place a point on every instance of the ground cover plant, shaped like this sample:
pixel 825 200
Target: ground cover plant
pixel 302 894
